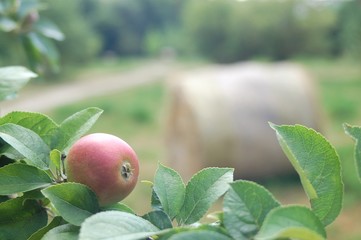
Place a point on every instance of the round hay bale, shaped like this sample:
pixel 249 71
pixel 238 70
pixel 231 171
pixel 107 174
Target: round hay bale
pixel 219 117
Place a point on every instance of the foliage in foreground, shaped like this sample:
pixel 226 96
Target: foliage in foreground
pixel 23 27
pixel 34 191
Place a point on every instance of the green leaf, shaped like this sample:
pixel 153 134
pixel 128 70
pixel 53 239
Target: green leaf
pixel 318 166
pixel 38 235
pixel 4 198
pixel 204 188
pixel 75 202
pixel 41 49
pixel 27 6
pixel 155 202
pixel 15 178
pixel 7 24
pixel 199 234
pixel 33 54
pixel 166 234
pixel 296 222
pixel 118 207
pixel 245 206
pixel 3 159
pixel 159 219
pixel 9 153
pixel 62 232
pixel 57 137
pixel 36 195
pixel 355 133
pixel 49 29
pixel 20 218
pixel 37 122
pixel 116 225
pixel 170 189
pixel 12 79
pixel 214 227
pixel 75 126
pixel 55 164
pixel 28 143
pixel 48 50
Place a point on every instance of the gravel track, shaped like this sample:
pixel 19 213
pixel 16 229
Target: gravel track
pixel 67 93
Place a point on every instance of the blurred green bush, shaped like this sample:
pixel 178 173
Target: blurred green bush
pixel 229 30
pixel 218 30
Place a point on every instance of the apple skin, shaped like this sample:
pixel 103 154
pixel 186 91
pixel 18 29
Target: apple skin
pixel 106 164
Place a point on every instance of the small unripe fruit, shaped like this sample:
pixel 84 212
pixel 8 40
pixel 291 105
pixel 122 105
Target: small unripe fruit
pixel 106 164
pixel 29 20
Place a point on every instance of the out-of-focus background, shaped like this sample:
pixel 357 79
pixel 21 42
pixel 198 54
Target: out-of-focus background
pixel 192 83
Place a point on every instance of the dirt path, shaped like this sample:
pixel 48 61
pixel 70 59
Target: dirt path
pixel 49 97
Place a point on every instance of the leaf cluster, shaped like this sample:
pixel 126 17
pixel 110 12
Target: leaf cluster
pixel 33 190
pixel 249 211
pixel 12 79
pixel 21 20
pixel 32 179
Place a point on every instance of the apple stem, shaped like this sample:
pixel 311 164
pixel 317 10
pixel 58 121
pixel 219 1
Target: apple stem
pixel 62 171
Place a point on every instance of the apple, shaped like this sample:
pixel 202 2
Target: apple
pixel 106 164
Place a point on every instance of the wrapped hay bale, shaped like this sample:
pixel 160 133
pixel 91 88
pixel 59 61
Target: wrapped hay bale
pixel 219 117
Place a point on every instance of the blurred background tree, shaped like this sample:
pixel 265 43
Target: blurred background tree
pixel 81 43
pixel 25 35
pixel 272 29
pixel 349 22
pixel 218 30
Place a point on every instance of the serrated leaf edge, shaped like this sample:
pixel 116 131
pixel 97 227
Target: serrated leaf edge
pixel 314 194
pixel 182 221
pixel 183 185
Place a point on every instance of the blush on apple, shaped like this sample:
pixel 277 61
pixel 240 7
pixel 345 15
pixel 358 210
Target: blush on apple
pixel 106 164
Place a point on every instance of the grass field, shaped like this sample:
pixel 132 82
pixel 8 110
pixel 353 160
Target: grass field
pixel 137 117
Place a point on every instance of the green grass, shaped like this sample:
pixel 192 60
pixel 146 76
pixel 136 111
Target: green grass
pixel 342 98
pixel 123 112
pixel 340 85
